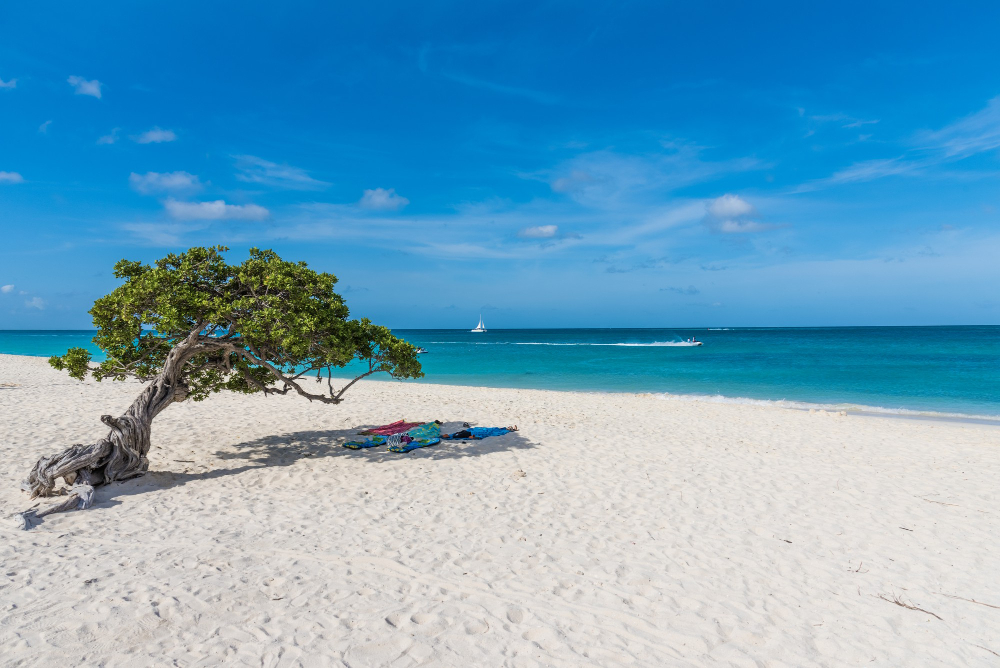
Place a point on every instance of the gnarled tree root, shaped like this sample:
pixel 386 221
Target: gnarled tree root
pixel 68 464
pixel 121 455
pixel 81 497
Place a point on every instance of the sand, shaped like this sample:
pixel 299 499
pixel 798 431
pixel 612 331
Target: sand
pixel 612 530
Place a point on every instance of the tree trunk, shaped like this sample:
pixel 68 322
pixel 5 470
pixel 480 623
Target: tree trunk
pixel 121 455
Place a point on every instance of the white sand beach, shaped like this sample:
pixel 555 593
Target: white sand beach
pixel 611 530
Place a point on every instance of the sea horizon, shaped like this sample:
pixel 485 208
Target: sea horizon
pixel 941 371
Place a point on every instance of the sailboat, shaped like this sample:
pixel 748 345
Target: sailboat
pixel 480 327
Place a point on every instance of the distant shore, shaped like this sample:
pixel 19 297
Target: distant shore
pixel 612 528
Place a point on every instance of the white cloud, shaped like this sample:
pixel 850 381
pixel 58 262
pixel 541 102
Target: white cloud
pixel 539 232
pixel 730 206
pixel 217 210
pixel 44 127
pixel 11 177
pixel 6 288
pixel 381 199
pixel 257 170
pixel 859 123
pixel 973 134
pixel 8 84
pixel 84 87
pixel 610 181
pixel 156 182
pixel 731 214
pixel 109 138
pixel 870 170
pixel 35 302
pixel 847 121
pixel 155 135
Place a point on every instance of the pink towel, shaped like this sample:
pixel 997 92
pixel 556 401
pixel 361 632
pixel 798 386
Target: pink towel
pixel 390 429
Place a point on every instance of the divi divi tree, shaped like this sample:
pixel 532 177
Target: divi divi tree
pixel 191 325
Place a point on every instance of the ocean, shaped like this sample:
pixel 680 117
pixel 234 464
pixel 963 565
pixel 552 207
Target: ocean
pixel 943 370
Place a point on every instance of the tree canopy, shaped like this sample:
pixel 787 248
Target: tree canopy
pixel 265 325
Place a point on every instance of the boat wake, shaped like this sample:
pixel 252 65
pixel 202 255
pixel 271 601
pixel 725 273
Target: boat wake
pixel 655 344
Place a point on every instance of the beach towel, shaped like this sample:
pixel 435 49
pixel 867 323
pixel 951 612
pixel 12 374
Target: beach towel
pixel 367 443
pixel 397 427
pixel 427 430
pixel 475 433
pixel 418 437
pixel 413 444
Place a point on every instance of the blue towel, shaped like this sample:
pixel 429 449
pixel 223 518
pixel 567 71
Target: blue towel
pixel 483 432
pixel 372 442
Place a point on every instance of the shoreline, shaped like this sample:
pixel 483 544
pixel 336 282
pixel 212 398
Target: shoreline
pixel 851 408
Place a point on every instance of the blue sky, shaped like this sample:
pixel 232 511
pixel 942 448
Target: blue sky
pixel 662 164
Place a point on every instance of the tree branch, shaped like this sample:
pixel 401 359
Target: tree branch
pixel 251 357
pixel 346 387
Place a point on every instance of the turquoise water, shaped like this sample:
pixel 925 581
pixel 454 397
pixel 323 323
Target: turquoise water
pixel 935 369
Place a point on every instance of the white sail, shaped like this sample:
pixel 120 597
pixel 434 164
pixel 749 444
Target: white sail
pixel 480 327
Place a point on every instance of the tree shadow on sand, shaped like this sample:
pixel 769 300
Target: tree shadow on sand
pixel 289 448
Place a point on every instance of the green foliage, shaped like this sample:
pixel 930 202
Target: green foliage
pixel 76 361
pixel 260 325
